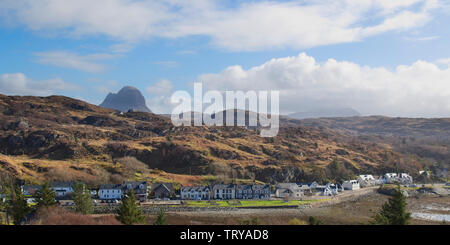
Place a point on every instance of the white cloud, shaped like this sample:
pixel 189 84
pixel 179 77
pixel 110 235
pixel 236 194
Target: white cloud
pixel 422 39
pixel 104 86
pixel 123 19
pixel 72 60
pixel 402 21
pixel 420 89
pixel 445 61
pixel 122 47
pixel 163 86
pixel 161 92
pixel 19 84
pixel 245 27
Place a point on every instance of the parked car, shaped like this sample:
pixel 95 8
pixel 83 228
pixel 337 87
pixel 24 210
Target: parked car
pixel 112 201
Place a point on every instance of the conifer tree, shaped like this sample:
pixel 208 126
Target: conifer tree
pixel 129 212
pixel 18 206
pixel 161 218
pixel 393 212
pixel 46 196
pixel 82 199
pixel 3 204
pixel 6 189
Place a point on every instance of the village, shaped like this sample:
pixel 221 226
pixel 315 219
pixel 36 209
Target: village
pixel 162 192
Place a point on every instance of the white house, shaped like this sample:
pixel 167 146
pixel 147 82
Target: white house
pixel 224 191
pixel 405 178
pixel 390 178
pixel 244 192
pixel 110 192
pixel 195 193
pixel 334 188
pixel 313 185
pixel 261 191
pixel 351 185
pixel 393 178
pixel 288 190
pixel 366 180
pixel 140 189
pixel 324 190
pixel 62 189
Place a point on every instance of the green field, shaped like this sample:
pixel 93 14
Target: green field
pixel 250 203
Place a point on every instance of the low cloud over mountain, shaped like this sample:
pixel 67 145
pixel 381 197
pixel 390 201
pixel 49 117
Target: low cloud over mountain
pixel 417 90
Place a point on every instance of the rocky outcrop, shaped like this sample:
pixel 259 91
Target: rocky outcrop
pixel 127 99
pixel 100 121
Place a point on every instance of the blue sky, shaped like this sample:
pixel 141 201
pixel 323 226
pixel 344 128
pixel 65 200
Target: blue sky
pixel 85 50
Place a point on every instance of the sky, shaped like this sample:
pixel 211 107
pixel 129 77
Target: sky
pixel 379 57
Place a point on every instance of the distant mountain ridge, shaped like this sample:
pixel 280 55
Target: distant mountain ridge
pixel 128 98
pixel 325 112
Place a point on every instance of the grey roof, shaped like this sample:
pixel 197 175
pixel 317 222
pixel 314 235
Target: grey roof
pixel 168 186
pixel 134 185
pixel 260 187
pixel 111 186
pixel 243 187
pixel 195 188
pixel 31 186
pixel 287 190
pixel 287 186
pixel 223 186
pixel 304 187
pixel 61 184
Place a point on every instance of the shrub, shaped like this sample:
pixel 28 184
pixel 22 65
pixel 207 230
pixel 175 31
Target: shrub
pixel 58 216
pixel 161 218
pixel 117 179
pixel 253 221
pixel 296 221
pixel 131 166
pixel 313 221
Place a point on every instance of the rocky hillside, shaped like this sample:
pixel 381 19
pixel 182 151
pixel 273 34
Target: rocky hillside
pixel 427 139
pixel 59 138
pixel 437 128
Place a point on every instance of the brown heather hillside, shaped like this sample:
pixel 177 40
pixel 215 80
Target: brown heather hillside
pixel 59 138
pixel 426 139
pixel 436 128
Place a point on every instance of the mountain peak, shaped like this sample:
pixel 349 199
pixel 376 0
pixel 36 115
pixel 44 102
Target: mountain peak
pixel 128 98
pixel 128 88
